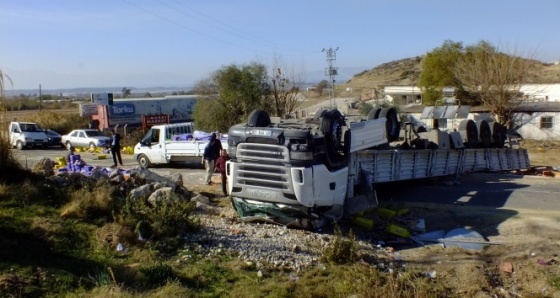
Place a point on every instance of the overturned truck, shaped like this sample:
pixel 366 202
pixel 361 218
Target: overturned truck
pixel 303 171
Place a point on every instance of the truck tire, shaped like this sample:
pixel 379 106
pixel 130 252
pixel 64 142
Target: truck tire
pixel 258 118
pixel 392 125
pixel 484 134
pixel 498 134
pixel 373 114
pixel 144 161
pixel 469 133
pixel 421 128
pixel 19 145
pixel 331 127
pixel 319 114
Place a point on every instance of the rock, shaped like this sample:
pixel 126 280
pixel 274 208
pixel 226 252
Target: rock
pixel 160 195
pixel 201 199
pixel 44 167
pixel 143 192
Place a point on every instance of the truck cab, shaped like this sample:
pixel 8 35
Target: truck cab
pixel 27 134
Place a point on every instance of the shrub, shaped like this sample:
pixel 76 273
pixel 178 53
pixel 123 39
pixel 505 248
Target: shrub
pixel 158 275
pixel 166 219
pixel 342 249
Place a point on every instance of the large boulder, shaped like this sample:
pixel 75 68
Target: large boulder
pixel 44 167
pixel 151 177
pixel 160 195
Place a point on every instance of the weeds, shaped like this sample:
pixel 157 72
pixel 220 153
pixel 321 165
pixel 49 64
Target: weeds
pixel 158 275
pixel 342 250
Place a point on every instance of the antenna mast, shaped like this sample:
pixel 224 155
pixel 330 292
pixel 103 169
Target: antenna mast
pixel 331 71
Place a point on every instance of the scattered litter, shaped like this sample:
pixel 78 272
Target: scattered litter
pixel 386 213
pixel 364 223
pixel 506 267
pixel 260 273
pixel 461 237
pixel 429 274
pixel 398 230
pixel 120 247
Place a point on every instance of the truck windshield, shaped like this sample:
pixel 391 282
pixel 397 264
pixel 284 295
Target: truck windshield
pixel 31 128
pixel 152 136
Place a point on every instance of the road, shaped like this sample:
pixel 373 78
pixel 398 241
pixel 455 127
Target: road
pixel 193 174
pixel 476 189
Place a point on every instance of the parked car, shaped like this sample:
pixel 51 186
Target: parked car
pixel 54 138
pixel 90 138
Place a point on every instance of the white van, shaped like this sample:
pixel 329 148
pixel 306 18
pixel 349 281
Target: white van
pixel 27 134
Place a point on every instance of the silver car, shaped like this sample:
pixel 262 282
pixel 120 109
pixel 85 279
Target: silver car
pixel 90 138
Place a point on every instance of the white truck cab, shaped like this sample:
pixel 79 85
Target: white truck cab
pixel 27 134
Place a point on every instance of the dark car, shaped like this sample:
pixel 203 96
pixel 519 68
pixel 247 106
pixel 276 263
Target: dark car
pixel 54 138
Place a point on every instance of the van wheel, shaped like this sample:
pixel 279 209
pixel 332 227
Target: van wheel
pixel 144 161
pixel 19 145
pixel 331 127
pixel 258 118
pixel 392 126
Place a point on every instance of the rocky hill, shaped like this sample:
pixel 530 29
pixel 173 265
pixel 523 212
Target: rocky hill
pixel 405 72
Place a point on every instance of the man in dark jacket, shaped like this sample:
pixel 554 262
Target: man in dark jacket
pixel 217 147
pixel 116 147
pixel 209 156
pixel 221 168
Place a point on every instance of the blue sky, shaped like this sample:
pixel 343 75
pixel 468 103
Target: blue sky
pixel 148 43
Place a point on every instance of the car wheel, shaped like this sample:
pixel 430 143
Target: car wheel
pixel 68 145
pixel 144 161
pixel 92 146
pixel 258 118
pixel 19 145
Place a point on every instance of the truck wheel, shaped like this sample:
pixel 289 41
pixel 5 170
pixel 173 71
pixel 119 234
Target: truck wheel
pixel 421 128
pixel 258 118
pixel 331 127
pixel 319 113
pixel 19 145
pixel 469 133
pixel 484 133
pixel 392 126
pixel 373 114
pixel 144 161
pixel 498 134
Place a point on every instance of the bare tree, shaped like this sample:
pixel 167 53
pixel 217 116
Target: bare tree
pixel 495 77
pixel 285 84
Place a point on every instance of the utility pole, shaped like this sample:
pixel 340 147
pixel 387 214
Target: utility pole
pixel 40 95
pixel 331 71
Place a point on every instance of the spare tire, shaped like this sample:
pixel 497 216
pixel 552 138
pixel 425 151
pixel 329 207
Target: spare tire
pixel 258 118
pixel 331 127
pixel 498 134
pixel 373 114
pixel 484 134
pixel 392 125
pixel 469 133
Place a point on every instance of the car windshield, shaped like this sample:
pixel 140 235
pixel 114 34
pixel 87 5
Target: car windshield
pixel 93 133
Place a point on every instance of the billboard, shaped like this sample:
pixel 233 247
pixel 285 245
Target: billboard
pixel 130 111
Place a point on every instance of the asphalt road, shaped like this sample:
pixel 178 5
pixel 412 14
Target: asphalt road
pixel 476 189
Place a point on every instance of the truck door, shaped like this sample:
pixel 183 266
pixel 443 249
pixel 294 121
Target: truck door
pixel 153 145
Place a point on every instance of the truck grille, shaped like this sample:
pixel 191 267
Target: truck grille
pixel 271 154
pixel 263 166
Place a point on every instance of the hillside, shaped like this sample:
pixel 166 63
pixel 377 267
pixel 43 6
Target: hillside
pixel 405 72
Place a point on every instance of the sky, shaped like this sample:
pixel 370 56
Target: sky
pixel 175 43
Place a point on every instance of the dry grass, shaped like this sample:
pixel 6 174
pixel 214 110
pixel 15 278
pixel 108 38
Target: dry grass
pixel 543 153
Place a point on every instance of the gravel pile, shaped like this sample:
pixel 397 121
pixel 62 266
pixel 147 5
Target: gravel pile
pixel 262 244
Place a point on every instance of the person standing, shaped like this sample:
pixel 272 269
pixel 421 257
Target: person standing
pixel 217 147
pixel 221 168
pixel 116 148
pixel 209 156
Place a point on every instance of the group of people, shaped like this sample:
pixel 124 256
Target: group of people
pixel 215 158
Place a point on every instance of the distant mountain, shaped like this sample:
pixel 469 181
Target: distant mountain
pixel 87 91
